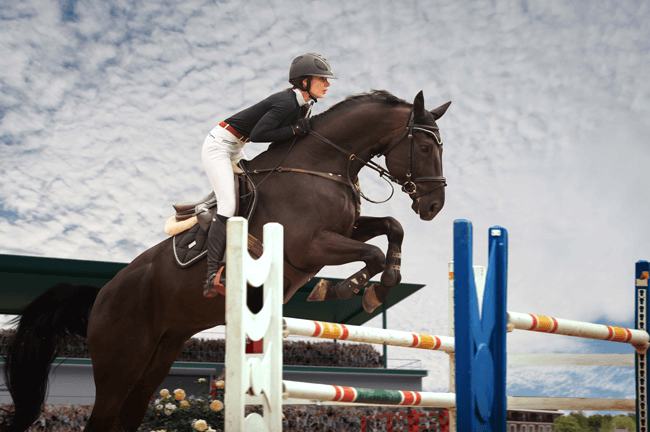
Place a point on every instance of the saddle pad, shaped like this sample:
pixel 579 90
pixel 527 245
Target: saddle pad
pixel 190 246
pixel 173 227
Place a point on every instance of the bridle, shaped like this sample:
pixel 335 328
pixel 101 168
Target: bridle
pixel 409 186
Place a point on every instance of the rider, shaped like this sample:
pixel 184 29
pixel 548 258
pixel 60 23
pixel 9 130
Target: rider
pixel 279 116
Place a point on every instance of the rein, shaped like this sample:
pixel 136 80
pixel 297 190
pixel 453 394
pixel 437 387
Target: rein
pixel 383 173
pixel 409 186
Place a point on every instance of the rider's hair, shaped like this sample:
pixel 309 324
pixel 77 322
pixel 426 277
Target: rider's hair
pixel 297 82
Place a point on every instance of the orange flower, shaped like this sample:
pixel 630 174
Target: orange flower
pixel 179 394
pixel 216 405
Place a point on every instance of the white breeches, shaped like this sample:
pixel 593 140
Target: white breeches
pixel 220 150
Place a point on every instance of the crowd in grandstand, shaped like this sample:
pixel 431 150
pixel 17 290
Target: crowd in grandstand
pixel 59 418
pixel 295 352
pixel 297 418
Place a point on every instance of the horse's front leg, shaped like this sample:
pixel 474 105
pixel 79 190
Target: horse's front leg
pixel 329 248
pixel 370 227
pixel 366 229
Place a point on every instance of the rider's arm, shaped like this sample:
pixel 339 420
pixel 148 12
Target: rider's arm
pixel 269 128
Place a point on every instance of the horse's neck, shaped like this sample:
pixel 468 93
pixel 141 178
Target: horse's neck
pixel 361 133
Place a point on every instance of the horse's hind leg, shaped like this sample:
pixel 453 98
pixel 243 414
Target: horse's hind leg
pixel 121 403
pixel 135 407
pixel 115 378
pixel 122 339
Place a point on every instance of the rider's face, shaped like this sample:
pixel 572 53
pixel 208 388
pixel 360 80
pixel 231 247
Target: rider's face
pixel 319 87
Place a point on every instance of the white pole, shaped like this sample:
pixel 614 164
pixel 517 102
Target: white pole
pixel 325 330
pixel 544 324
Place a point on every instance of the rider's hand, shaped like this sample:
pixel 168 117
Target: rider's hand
pixel 301 127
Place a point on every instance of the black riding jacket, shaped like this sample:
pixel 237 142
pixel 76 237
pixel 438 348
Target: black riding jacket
pixel 271 119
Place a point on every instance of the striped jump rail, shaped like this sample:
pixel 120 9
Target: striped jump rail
pixel 325 330
pixel 352 395
pixel 342 395
pixel 544 324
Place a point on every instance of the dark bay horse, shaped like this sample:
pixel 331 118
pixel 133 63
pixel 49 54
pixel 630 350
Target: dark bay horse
pixel 137 323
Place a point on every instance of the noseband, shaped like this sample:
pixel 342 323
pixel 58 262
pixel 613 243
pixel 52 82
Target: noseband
pixel 409 186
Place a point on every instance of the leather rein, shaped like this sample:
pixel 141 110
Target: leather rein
pixel 409 186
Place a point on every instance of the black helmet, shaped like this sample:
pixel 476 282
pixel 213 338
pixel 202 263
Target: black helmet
pixel 310 64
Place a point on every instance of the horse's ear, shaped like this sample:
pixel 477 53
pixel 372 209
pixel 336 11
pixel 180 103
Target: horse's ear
pixel 418 106
pixel 440 111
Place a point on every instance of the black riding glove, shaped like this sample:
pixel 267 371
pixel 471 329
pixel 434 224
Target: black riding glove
pixel 301 127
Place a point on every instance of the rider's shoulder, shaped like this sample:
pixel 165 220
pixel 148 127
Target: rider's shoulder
pixel 284 97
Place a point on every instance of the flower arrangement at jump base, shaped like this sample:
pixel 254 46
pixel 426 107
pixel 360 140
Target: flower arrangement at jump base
pixel 175 412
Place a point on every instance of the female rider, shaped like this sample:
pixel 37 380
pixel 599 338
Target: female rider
pixel 280 116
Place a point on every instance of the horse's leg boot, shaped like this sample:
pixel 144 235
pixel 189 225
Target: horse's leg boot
pixel 216 247
pixel 351 286
pixel 392 272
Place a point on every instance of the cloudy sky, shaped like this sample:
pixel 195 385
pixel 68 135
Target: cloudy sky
pixel 104 105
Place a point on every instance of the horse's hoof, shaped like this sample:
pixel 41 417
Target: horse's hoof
pixel 370 301
pixel 320 291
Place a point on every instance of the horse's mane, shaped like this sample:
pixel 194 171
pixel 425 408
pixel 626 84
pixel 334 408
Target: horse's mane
pixel 350 102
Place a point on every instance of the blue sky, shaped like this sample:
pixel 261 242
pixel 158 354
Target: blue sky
pixel 104 106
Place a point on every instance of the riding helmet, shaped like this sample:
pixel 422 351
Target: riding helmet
pixel 310 64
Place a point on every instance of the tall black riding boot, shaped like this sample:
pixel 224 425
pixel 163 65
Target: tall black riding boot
pixel 216 247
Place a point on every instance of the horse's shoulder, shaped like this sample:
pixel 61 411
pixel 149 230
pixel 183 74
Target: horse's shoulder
pixel 270 154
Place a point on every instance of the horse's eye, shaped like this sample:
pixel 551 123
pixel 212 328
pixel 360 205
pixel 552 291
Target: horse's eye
pixel 425 149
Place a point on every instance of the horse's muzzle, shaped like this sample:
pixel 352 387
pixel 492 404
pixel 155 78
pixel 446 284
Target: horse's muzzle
pixel 428 206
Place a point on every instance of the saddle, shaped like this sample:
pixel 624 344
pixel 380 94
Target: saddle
pixel 189 226
pixel 191 223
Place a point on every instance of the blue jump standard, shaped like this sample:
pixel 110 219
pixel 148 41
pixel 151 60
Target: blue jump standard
pixel 480 339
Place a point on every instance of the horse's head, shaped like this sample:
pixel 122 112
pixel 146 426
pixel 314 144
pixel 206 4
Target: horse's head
pixel 416 159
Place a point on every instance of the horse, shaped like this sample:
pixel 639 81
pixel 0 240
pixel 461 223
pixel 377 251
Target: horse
pixel 136 325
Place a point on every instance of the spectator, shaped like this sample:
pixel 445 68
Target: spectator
pixel 295 352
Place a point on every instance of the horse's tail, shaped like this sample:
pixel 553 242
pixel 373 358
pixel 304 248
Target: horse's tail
pixel 44 326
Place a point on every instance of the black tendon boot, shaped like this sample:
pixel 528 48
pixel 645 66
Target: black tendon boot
pixel 213 284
